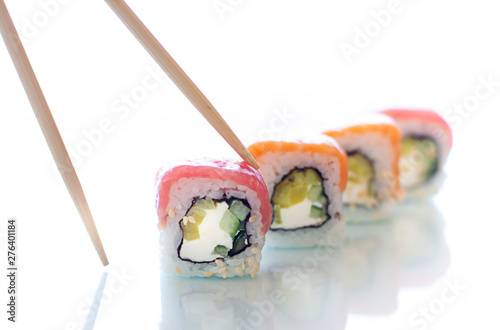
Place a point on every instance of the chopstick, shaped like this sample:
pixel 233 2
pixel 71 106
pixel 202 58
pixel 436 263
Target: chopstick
pixel 179 77
pixel 48 126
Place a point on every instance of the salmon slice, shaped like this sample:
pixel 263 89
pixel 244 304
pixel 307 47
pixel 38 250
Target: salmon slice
pixel 429 116
pixel 317 144
pixel 374 123
pixel 239 172
pixel 381 125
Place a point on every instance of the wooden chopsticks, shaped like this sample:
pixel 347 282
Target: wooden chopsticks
pixel 48 126
pixel 179 77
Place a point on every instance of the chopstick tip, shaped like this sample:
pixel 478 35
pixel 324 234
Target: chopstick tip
pixel 247 156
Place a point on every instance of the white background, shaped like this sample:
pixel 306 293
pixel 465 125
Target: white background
pixel 255 62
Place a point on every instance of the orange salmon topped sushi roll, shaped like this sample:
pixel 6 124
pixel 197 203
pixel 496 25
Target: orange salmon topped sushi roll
pixel 427 141
pixel 373 149
pixel 213 218
pixel 305 179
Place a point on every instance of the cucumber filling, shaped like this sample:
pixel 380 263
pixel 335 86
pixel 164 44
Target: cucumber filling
pixel 419 161
pixel 214 229
pixel 299 200
pixel 360 182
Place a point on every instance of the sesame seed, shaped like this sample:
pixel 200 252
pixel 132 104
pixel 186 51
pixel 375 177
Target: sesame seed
pixel 191 219
pixel 252 218
pixel 255 250
pixel 222 270
pixel 208 274
pixel 239 270
pixel 250 262
pixel 224 275
pixel 177 270
pixel 219 263
pixel 258 267
pixel 185 220
pixel 171 213
pixel 253 272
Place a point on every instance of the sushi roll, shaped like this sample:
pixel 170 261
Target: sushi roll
pixel 213 217
pixel 427 141
pixel 305 180
pixel 373 149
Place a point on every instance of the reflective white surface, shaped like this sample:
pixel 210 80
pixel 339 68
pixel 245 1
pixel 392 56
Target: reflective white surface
pixel 389 275
pixel 433 266
pixel 318 287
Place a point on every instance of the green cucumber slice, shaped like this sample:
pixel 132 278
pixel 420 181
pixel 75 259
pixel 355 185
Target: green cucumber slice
pixel 314 193
pixel 277 214
pixel 315 212
pixel 239 209
pixel 221 250
pixel 229 223
pixel 422 154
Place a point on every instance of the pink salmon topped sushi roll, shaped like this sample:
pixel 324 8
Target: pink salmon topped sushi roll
pixel 213 217
pixel 426 143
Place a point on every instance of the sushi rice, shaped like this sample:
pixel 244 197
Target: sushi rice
pixel 422 125
pixel 279 159
pixel 373 146
pixel 183 194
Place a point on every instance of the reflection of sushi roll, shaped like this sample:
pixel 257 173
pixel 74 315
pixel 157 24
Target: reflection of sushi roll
pixel 305 179
pixel 425 147
pixel 421 244
pixel 371 261
pixel 373 149
pixel 309 284
pixel 212 304
pixel 213 216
